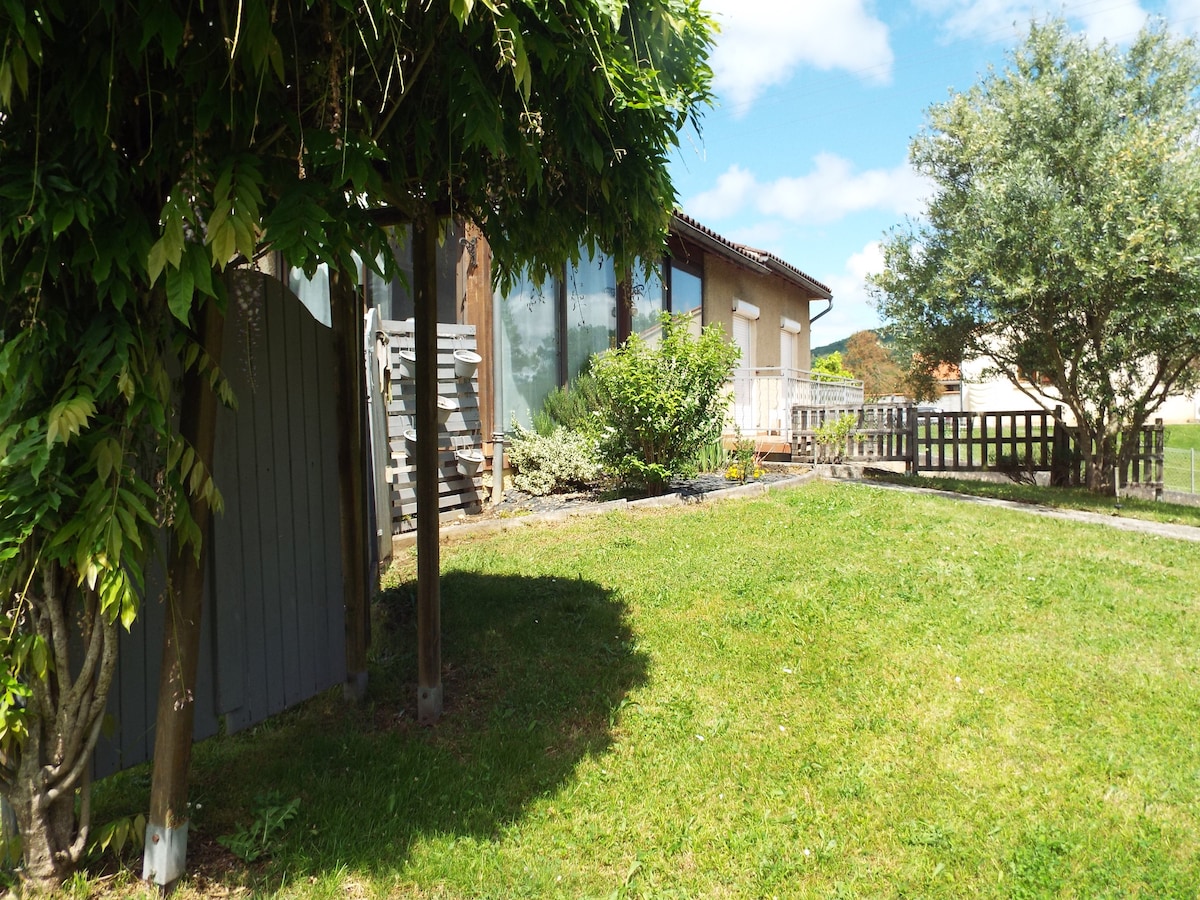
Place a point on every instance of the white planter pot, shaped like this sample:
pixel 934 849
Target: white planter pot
pixel 465 363
pixel 445 406
pixel 469 461
pixel 410 440
pixel 408 364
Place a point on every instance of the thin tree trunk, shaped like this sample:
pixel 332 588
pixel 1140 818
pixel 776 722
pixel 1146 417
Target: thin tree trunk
pixel 166 828
pixel 429 600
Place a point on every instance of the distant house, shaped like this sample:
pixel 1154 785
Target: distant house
pixel 972 388
pixel 538 338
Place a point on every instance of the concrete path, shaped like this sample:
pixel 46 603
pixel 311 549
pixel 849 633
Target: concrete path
pixel 1142 526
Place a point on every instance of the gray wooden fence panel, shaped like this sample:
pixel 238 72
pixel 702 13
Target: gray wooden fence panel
pixel 273 629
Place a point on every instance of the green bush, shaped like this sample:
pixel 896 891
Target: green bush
pixel 834 434
pixel 659 404
pixel 573 407
pixel 551 463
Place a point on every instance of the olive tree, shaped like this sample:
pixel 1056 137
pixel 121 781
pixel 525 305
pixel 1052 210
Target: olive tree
pixel 1062 235
pixel 148 147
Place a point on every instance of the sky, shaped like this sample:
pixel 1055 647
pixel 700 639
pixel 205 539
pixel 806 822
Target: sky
pixel 805 153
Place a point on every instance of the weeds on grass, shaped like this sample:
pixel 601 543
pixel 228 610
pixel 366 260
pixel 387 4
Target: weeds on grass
pixel 259 838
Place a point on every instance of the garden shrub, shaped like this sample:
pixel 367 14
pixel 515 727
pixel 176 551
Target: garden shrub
pixel 573 407
pixel 659 404
pixel 833 436
pixel 552 463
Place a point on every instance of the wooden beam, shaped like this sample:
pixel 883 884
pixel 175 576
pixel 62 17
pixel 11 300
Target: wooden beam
pixel 350 397
pixel 165 851
pixel 429 599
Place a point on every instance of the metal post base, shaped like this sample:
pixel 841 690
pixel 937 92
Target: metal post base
pixel 355 687
pixel 429 704
pixel 165 856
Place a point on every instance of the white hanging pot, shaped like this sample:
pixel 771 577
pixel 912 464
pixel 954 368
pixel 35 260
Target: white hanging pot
pixel 410 439
pixel 465 363
pixel 408 364
pixel 469 461
pixel 445 406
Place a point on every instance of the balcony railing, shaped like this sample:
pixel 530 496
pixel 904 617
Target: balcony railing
pixel 763 398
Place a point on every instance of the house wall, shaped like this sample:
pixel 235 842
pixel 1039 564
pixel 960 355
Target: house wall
pixel 775 299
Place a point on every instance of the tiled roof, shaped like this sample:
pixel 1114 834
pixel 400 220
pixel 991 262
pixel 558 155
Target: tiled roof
pixel 748 256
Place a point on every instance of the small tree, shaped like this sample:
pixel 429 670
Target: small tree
pixel 658 404
pixel 1063 232
pixel 871 361
pixel 831 364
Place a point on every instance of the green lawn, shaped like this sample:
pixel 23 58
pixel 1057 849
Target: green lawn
pixel 833 691
pixel 1182 437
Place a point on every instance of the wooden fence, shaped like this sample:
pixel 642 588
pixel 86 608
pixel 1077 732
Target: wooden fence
pixel 1012 442
pixel 273 629
pixel 460 484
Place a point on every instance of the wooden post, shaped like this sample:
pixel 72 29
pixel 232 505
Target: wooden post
pixel 915 465
pixel 350 391
pixel 1158 453
pixel 429 597
pixel 165 851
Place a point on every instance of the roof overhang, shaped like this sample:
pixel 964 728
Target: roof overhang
pixel 759 261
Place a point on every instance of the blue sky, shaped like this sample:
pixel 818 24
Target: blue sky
pixel 806 153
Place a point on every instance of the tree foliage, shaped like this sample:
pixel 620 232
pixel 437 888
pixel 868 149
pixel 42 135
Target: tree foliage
pixel 659 403
pixel 1063 232
pixel 874 364
pixel 147 147
pixel 832 364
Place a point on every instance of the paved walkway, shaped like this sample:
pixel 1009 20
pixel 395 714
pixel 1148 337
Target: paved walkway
pixel 1158 529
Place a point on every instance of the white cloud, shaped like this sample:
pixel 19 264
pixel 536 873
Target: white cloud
pixel 853 310
pixel 1004 21
pixel 830 191
pixel 1184 15
pixel 762 42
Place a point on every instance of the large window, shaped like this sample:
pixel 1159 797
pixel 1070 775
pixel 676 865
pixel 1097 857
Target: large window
pixel 687 294
pixel 645 304
pixel 530 349
pixel 591 310
pixel 395 298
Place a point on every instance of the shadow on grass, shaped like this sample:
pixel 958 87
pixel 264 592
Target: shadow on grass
pixel 534 672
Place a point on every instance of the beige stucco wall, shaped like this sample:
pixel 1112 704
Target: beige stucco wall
pixel 775 299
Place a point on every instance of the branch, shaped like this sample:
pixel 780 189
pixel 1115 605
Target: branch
pixel 406 88
pixel 69 704
pixel 75 852
pixel 56 789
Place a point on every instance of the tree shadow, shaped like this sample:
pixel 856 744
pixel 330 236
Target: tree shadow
pixel 534 672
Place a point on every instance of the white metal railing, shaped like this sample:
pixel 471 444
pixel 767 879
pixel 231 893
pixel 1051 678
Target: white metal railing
pixel 763 397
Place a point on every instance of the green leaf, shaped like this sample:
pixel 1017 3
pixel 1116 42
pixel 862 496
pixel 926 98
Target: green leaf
pixel 181 293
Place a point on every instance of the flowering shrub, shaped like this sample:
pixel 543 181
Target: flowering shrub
pixel 659 404
pixel 547 464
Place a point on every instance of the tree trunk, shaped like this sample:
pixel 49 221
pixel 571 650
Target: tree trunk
pixel 52 765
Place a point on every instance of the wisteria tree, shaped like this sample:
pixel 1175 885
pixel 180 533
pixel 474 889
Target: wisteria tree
pixel 148 147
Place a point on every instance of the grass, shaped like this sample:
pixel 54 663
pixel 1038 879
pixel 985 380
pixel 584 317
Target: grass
pixel 832 691
pixel 1182 437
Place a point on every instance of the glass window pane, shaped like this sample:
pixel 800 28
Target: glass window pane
pixel 529 337
pixel 687 296
pixel 647 304
pixel 591 311
pixel 313 292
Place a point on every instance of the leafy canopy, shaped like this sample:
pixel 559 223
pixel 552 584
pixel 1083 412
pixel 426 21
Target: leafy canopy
pixel 1063 232
pixel 147 146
